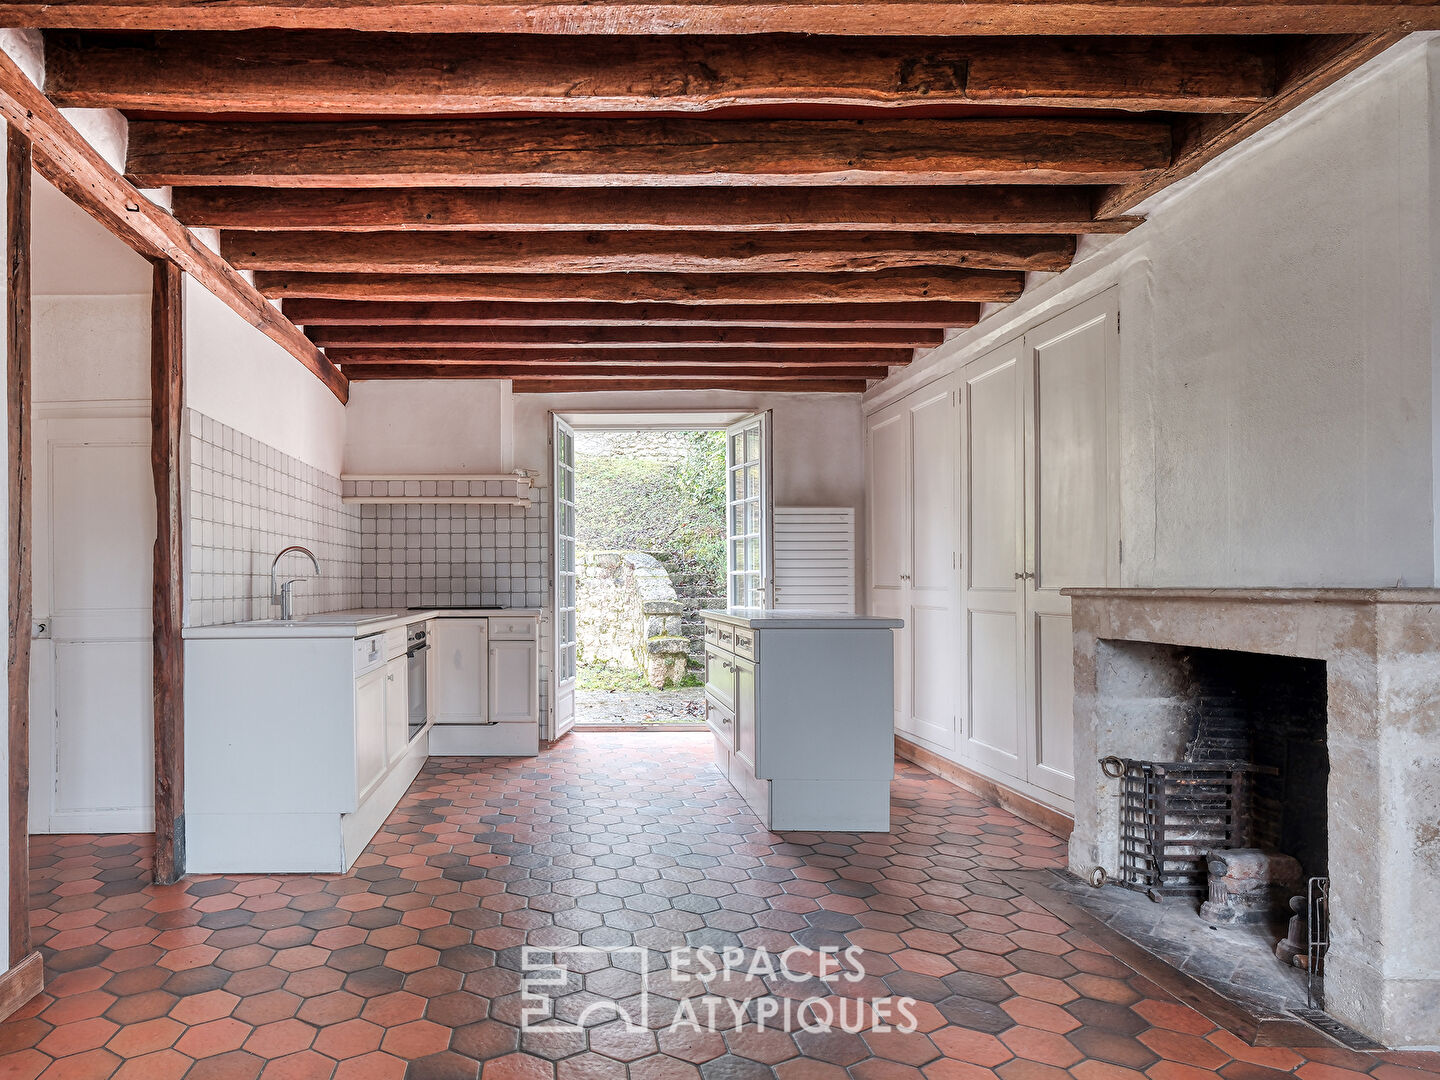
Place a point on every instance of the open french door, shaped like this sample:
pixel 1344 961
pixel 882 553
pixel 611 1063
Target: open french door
pixel 563 442
pixel 748 513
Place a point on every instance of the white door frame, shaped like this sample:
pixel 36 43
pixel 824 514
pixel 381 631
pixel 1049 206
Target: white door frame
pixel 562 682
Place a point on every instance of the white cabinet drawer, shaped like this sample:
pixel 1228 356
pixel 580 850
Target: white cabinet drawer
pixel 513 629
pixel 722 722
pixel 744 642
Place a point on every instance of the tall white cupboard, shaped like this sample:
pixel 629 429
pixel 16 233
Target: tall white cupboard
pixel 990 489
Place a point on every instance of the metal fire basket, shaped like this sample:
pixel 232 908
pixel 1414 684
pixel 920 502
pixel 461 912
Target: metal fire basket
pixel 1172 814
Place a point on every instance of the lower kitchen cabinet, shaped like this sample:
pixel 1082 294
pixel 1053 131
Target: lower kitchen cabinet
pixel 800 707
pixel 486 684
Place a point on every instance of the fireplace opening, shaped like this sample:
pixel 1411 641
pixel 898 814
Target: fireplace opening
pixel 1220 815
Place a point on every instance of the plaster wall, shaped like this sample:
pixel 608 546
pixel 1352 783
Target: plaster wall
pixel 431 426
pixel 238 377
pixel 1280 327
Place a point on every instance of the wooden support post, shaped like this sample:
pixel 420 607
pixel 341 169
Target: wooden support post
pixel 18 164
pixel 167 396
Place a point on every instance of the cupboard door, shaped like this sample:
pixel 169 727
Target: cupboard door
pixel 888 535
pixel 369 731
pixel 397 709
pixel 459 655
pixel 931 610
pixel 1072 531
pixel 992 579
pixel 514 683
pixel 745 726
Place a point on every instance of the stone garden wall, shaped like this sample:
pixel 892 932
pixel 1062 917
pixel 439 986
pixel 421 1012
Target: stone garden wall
pixel 629 615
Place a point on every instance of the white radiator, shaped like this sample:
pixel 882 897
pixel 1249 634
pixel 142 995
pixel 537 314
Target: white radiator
pixel 815 559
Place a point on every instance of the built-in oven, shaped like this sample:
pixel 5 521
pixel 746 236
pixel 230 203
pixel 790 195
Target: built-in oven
pixel 417 658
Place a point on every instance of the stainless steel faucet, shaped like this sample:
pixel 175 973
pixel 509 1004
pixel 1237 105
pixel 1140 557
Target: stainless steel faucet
pixel 281 595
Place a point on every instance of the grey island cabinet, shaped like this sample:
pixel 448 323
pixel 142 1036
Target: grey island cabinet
pixel 802 710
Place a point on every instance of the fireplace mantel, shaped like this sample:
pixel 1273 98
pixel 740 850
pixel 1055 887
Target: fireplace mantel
pixel 1381 648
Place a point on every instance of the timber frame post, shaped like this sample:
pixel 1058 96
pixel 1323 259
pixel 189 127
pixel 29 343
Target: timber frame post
pixel 26 975
pixel 167 402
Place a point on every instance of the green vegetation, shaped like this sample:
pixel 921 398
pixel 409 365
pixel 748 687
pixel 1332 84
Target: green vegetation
pixel 605 677
pixel 664 494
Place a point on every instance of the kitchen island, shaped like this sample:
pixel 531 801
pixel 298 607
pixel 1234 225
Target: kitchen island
pixel 303 735
pixel 801 707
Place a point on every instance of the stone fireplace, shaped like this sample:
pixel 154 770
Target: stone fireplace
pixel 1332 697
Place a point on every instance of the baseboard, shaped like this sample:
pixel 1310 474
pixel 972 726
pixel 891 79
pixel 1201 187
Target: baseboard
pixel 1022 806
pixel 20 984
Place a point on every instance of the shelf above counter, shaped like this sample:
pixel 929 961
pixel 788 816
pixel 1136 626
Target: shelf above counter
pixel 486 489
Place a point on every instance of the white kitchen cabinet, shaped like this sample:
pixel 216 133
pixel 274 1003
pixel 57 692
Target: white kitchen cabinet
pixel 397 709
pixel 370 754
pixel 800 710
pixel 487 685
pixel 514 682
pixel 459 650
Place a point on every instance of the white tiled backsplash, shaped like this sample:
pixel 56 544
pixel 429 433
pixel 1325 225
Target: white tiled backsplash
pixel 452 553
pixel 248 500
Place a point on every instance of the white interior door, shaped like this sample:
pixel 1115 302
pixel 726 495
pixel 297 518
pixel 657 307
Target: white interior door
pixel 1072 521
pixel 748 512
pixel 992 578
pixel 566 626
pixel 888 535
pixel 932 594
pixel 92 711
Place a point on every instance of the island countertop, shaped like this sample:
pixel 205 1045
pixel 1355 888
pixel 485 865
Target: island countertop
pixel 765 619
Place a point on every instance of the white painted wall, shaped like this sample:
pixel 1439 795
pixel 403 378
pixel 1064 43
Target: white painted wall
pixel 238 376
pixel 1281 325
pixel 91 308
pixel 431 426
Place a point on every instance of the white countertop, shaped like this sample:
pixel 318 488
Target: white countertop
pixel 356 622
pixel 762 619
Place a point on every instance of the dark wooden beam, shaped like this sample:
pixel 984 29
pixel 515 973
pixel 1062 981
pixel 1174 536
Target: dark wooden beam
pixel 1307 66
pixel 308 72
pixel 167 410
pixel 662 356
pixel 936 314
pixel 19 162
pixel 590 385
pixel 849 17
pixel 987 209
pixel 886 286
pixel 551 151
pixel 64 158
pixel 610 371
pixel 524 338
pixel 636 252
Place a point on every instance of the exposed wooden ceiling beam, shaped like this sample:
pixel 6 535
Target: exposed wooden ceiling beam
pixel 985 17
pixel 1307 67
pixel 67 160
pixel 549 151
pixel 585 373
pixel 375 313
pixel 759 359
pixel 703 338
pixel 642 252
pixel 988 209
pixel 921 283
pixel 426 74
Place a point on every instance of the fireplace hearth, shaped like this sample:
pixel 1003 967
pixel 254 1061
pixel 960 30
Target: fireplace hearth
pixel 1300 727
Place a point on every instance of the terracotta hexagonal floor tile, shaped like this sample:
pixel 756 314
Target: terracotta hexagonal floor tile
pixel 350 1038
pixel 418 1038
pixel 214 1037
